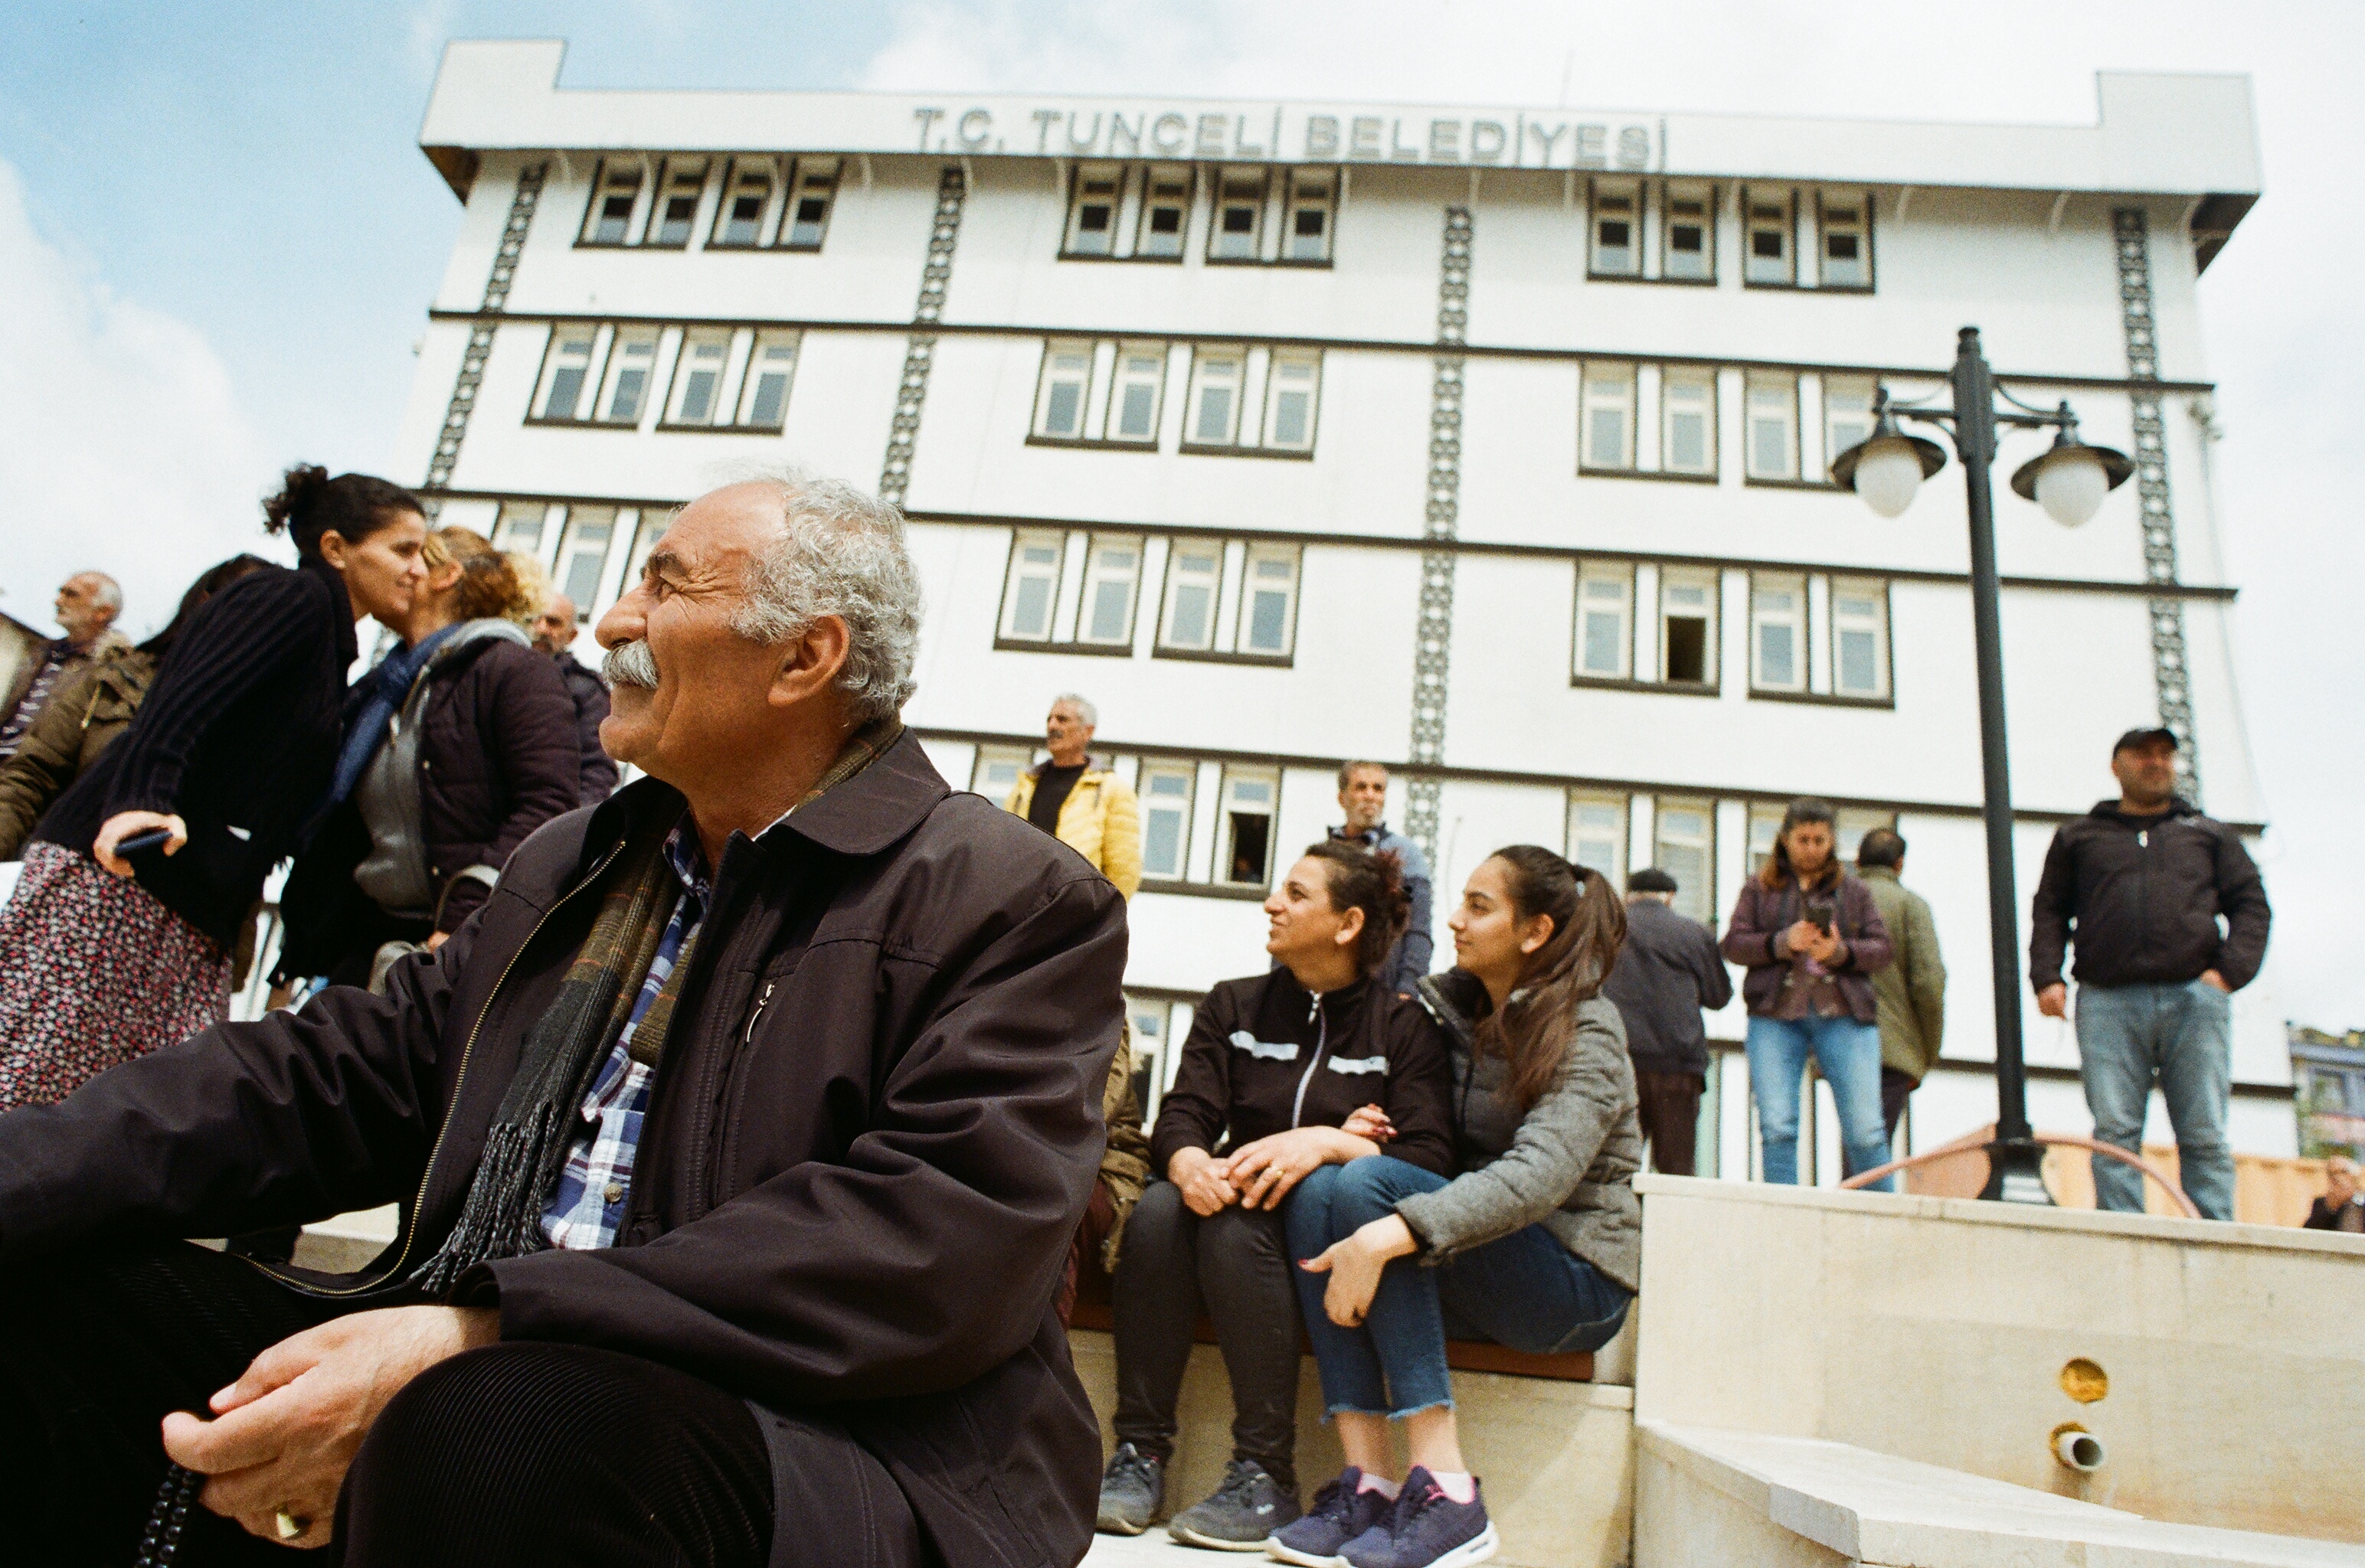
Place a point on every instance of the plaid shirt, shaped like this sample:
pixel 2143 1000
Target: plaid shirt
pixel 588 1206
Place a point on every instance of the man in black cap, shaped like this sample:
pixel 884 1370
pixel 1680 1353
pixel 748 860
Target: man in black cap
pixel 1669 971
pixel 2141 883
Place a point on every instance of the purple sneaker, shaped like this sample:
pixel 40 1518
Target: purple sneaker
pixel 1342 1510
pixel 1426 1529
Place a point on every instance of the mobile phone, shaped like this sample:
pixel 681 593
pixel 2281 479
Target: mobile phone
pixel 141 843
pixel 1819 913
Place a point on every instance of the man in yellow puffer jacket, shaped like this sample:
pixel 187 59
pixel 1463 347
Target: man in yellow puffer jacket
pixel 1094 813
pixel 1089 808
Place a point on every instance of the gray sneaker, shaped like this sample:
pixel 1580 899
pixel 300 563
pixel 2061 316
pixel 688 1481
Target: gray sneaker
pixel 1131 1488
pixel 1249 1506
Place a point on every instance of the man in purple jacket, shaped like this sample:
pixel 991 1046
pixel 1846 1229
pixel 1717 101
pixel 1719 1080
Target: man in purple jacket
pixel 742 1134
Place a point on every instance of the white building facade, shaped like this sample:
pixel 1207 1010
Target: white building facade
pixel 1487 443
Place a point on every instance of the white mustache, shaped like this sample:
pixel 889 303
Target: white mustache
pixel 630 664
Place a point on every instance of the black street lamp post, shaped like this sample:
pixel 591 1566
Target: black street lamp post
pixel 2069 482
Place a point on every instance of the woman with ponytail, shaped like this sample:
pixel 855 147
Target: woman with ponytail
pixel 457 744
pixel 139 880
pixel 1537 1244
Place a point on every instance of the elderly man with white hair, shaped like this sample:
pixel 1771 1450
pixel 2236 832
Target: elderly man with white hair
pixel 741 1136
pixel 87 606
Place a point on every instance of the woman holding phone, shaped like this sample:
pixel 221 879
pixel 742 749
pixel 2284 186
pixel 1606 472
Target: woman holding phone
pixel 119 936
pixel 1810 937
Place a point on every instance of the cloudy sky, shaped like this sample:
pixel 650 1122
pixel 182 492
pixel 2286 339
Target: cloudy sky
pixel 217 238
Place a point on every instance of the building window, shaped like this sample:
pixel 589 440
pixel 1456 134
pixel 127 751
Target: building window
pixel 764 402
pixel 1609 435
pixel 1194 575
pixel 1238 229
pixel 1091 210
pixel 677 204
pixel 1247 845
pixel 1141 388
pixel 1269 613
pixel 747 205
pixel 1312 214
pixel 1687 230
pixel 631 360
pixel 517 527
pixel 615 192
pixel 583 556
pixel 568 370
pixel 1031 590
pixel 1847 414
pixel 1684 846
pixel 1687 439
pixel 1778 632
pixel 1165 790
pixel 1214 398
pixel 1605 621
pixel 1773 427
pixel 807 220
pixel 995 772
pixel 697 378
pixel 1165 213
pixel 1597 834
pixel 1859 637
pixel 1291 388
pixel 1067 382
pixel 1846 225
pixel 1767 255
pixel 1617 231
pixel 1687 627
pixel 1111 579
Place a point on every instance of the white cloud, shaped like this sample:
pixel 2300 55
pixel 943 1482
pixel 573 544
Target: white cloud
pixel 127 449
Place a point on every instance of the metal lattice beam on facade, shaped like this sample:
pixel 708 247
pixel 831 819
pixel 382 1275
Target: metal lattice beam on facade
pixel 480 337
pixel 919 354
pixel 2171 669
pixel 1433 635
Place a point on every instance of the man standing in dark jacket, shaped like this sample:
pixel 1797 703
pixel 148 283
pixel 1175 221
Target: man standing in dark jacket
pixel 2140 884
pixel 553 633
pixel 741 1134
pixel 1669 971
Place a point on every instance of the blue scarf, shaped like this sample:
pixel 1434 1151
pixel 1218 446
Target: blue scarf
pixel 387 686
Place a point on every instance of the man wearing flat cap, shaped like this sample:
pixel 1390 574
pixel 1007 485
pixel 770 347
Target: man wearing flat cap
pixel 1669 971
pixel 2169 918
pixel 740 1137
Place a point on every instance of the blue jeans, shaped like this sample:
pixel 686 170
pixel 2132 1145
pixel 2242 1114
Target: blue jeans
pixel 1524 1289
pixel 1849 1054
pixel 2184 1036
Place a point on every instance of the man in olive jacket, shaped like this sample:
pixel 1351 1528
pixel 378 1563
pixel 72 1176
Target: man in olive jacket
pixel 1910 994
pixel 742 1134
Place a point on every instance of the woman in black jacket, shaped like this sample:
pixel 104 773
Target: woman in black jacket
pixel 104 956
pixel 1274 1065
pixel 457 744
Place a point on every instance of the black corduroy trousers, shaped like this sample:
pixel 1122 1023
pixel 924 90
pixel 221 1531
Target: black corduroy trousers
pixel 516 1454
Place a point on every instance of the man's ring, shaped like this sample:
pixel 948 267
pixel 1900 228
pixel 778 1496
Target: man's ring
pixel 288 1526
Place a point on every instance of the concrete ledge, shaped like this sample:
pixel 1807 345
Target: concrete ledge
pixel 1556 1457
pixel 1703 1493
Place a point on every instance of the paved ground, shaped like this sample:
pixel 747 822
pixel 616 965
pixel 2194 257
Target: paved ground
pixel 1153 1548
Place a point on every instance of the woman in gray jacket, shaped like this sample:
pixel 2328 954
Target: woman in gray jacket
pixel 1537 1244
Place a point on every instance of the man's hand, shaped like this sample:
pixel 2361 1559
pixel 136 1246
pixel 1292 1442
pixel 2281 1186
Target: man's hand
pixel 284 1433
pixel 1201 1177
pixel 1354 1266
pixel 2053 1001
pixel 126 824
pixel 2211 976
pixel 1263 1172
pixel 437 940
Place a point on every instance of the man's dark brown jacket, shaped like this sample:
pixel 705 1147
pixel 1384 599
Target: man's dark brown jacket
pixel 870 1139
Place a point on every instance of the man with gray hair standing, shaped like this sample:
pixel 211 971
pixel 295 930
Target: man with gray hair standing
pixel 88 604
pixel 742 1134
pixel 1083 805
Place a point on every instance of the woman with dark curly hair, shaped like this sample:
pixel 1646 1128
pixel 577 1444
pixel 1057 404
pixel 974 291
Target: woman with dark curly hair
pixel 119 936
pixel 1536 1245
pixel 1275 1063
